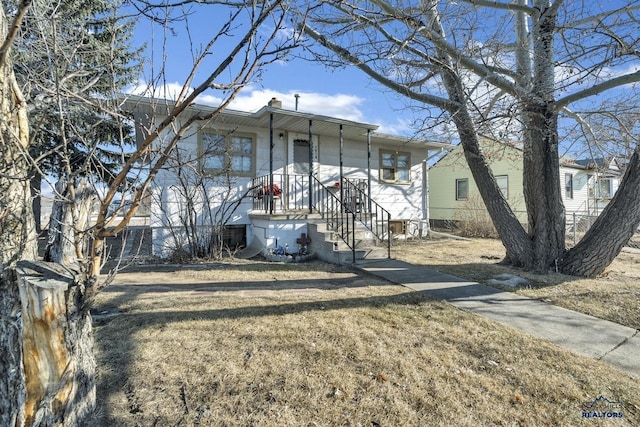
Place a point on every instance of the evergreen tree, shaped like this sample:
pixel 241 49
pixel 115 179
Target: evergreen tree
pixel 74 56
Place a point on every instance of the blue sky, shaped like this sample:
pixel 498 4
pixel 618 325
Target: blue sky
pixel 346 93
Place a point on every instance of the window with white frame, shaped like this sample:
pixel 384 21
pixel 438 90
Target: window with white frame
pixel 228 153
pixel 462 189
pixel 395 167
pixel 605 188
pixel 503 185
pixel 568 186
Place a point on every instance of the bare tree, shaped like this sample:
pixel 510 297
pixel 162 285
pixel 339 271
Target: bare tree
pixel 197 208
pixel 45 326
pixel 514 68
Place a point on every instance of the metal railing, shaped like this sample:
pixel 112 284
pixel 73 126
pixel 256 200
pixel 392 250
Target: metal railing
pixel 367 211
pixel 340 206
pixel 280 192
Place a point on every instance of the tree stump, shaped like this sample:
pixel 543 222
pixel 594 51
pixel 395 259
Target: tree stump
pixel 59 364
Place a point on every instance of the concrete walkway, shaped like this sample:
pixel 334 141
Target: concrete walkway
pixel 599 339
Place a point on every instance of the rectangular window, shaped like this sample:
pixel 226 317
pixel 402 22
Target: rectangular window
pixel 604 185
pixel 503 184
pixel 462 189
pixel 395 167
pixel 233 153
pixel 301 156
pixel 568 186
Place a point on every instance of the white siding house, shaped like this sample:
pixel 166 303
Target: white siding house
pixel 268 174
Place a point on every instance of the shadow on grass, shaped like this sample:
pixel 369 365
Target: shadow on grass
pixel 116 360
pixel 117 350
pixel 233 264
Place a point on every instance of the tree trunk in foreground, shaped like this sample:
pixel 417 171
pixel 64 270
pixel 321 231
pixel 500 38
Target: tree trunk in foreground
pixel 57 343
pixel 46 359
pixel 542 193
pixel 17 238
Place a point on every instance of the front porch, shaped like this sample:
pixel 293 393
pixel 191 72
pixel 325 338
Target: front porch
pixel 296 194
pixel 341 213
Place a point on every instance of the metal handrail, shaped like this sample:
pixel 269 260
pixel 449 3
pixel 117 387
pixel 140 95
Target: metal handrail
pixel 337 216
pixel 340 206
pixel 368 211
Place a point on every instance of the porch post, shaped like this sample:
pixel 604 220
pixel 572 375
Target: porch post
pixel 341 165
pixel 310 166
pixel 369 169
pixel 270 196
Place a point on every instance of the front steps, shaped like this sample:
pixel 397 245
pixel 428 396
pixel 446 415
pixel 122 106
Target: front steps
pixel 331 248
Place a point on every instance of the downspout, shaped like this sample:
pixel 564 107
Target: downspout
pixel 425 197
pixel 310 166
pixel 341 165
pixel 270 163
pixel 369 170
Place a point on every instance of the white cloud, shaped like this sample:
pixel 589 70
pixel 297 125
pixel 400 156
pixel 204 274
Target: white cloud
pixel 344 106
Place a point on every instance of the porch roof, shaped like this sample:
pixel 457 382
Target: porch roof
pixel 283 119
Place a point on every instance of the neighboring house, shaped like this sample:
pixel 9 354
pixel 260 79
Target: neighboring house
pixel 276 171
pixel 588 185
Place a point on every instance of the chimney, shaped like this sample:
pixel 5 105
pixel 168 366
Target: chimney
pixel 275 103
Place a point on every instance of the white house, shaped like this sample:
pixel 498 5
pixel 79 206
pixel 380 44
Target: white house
pixel 271 174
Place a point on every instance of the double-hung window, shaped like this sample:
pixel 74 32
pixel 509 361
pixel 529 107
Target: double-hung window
pixel 605 188
pixel 231 154
pixel 462 189
pixel 503 185
pixel 568 186
pixel 395 167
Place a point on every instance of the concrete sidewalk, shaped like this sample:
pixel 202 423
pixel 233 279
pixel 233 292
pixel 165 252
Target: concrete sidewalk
pixel 599 339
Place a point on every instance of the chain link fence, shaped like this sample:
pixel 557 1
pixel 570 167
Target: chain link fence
pixel 578 224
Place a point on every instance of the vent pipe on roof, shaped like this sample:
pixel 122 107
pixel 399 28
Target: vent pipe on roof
pixel 297 96
pixel 275 103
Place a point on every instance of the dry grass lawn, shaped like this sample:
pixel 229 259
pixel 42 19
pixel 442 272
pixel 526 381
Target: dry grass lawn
pixel 246 343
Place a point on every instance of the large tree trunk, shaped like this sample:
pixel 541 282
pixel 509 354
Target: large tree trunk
pixel 611 230
pixel 542 192
pixel 541 165
pixel 57 343
pixel 46 363
pixel 513 236
pixel 17 238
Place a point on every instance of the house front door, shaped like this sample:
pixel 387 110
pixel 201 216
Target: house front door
pixel 301 171
pixel 301 156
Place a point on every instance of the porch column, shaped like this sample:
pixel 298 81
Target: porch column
pixel 311 183
pixel 369 169
pixel 341 164
pixel 270 196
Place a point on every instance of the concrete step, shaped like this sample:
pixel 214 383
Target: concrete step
pixel 329 247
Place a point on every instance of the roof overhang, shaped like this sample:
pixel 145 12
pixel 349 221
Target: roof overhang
pixel 283 120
